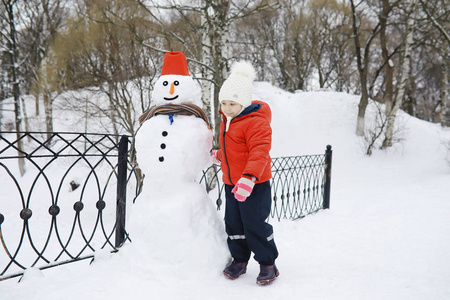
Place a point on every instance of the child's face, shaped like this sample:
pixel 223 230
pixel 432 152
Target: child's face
pixel 230 108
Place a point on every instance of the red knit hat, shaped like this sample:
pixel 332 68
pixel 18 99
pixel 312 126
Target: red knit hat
pixel 175 63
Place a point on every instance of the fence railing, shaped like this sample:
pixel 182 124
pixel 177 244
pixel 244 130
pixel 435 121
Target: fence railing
pixel 300 184
pixel 71 201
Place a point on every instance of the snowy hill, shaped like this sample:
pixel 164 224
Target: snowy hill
pixel 386 235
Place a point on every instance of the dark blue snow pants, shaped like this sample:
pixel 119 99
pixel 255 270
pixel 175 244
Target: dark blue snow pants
pixel 245 224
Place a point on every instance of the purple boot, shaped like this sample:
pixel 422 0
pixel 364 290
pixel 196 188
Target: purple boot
pixel 267 274
pixel 235 270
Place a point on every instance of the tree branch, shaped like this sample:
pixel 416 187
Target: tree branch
pixel 435 22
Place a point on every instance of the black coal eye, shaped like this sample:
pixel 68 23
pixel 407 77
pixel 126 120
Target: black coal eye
pixel 176 83
pixel 165 83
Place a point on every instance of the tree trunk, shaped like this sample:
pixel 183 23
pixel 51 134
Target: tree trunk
pixel 12 57
pixel 48 107
pixel 362 75
pixel 36 93
pixel 321 80
pixel 363 102
pixel 205 82
pixel 2 96
pixel 388 65
pixel 404 74
pixel 112 108
pixel 445 101
pixel 219 34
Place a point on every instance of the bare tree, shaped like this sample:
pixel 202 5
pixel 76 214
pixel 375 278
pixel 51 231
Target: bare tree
pixel 298 61
pixel 362 60
pixel 330 39
pixel 444 115
pixel 97 51
pixel 49 19
pixel 215 54
pixel 435 22
pixel 287 41
pixel 439 16
pixel 404 73
pixel 10 54
pixel 40 20
pixel 388 65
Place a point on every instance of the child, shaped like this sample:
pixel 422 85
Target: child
pixel 245 139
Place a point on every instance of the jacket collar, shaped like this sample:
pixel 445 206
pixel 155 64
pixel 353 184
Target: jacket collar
pixel 248 110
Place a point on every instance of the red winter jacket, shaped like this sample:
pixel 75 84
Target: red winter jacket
pixel 246 144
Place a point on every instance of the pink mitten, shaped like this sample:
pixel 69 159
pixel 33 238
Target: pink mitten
pixel 214 157
pixel 243 189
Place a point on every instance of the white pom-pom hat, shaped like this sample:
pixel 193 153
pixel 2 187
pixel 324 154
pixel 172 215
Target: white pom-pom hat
pixel 239 85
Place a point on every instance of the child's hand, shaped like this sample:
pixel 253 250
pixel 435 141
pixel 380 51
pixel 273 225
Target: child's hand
pixel 214 157
pixel 243 189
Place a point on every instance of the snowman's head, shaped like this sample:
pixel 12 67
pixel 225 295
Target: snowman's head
pixel 176 86
pixel 176 89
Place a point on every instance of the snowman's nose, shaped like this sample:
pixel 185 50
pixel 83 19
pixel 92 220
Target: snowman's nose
pixel 172 88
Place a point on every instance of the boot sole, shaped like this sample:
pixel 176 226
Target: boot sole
pixel 267 281
pixel 233 278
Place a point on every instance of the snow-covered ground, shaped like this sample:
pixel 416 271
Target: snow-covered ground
pixel 386 236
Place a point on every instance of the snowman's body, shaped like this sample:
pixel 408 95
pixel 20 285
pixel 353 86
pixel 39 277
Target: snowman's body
pixel 174 213
pixel 172 152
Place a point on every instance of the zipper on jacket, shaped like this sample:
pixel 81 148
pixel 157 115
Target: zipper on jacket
pixel 226 159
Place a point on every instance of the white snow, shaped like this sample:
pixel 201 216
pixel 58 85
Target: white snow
pixel 386 235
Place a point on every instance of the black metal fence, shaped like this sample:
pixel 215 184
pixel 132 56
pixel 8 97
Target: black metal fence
pixel 70 202
pixel 300 184
pixel 72 199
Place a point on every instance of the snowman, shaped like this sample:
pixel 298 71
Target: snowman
pixel 174 216
pixel 175 136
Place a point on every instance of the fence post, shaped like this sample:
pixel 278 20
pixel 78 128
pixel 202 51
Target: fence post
pixel 327 191
pixel 121 190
